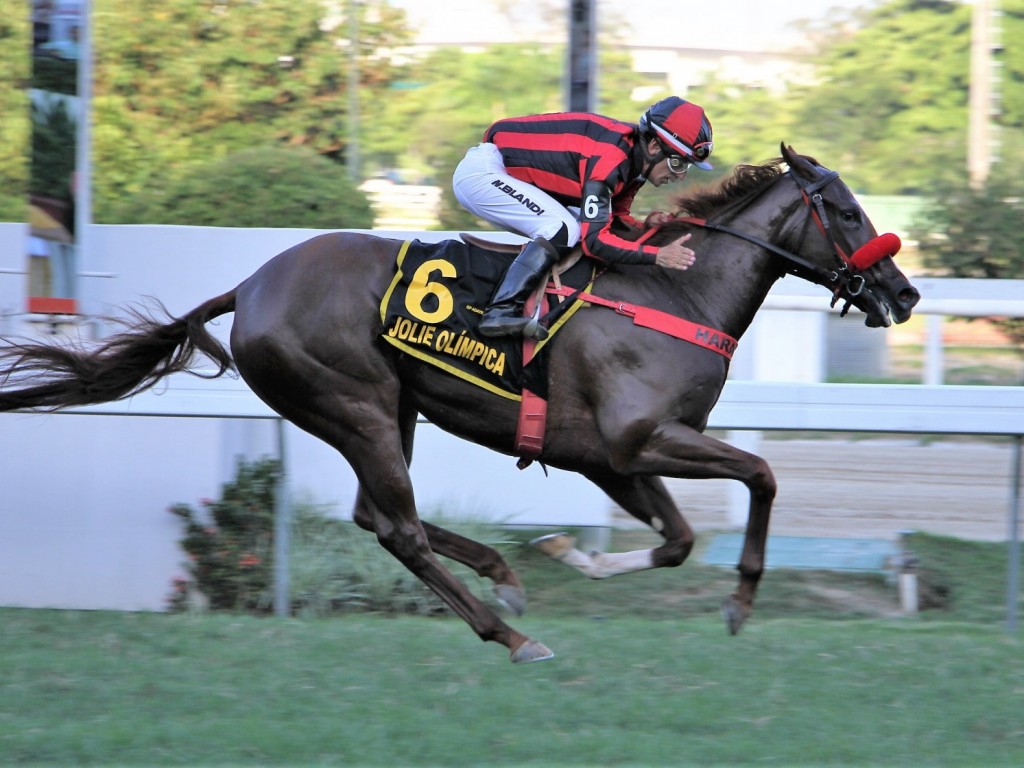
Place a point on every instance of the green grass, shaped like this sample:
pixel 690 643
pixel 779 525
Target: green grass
pixel 645 675
pixel 694 589
pixel 960 581
pixel 964 580
pixel 149 689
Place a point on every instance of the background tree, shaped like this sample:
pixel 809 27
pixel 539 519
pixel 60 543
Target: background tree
pixel 15 65
pixel 976 233
pixel 891 107
pixel 259 187
pixel 54 130
pixel 180 83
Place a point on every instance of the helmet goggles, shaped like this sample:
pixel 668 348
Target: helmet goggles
pixel 698 153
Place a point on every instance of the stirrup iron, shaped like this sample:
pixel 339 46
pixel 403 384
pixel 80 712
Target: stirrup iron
pixel 533 329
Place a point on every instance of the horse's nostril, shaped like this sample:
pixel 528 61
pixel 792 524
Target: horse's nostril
pixel 909 297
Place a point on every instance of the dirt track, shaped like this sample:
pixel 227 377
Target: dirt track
pixel 869 489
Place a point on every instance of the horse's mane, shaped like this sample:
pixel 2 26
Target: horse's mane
pixel 703 202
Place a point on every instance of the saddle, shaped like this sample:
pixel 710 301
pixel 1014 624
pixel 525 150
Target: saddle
pixel 564 264
pixel 436 299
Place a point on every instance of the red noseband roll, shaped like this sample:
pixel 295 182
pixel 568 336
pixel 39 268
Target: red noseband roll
pixel 875 250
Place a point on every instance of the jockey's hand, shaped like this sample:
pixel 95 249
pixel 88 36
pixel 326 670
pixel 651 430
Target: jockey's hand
pixel 657 218
pixel 675 255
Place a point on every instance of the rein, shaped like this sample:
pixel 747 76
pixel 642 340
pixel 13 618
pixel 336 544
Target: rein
pixel 844 281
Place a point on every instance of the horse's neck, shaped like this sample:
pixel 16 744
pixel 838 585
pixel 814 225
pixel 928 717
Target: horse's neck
pixel 738 273
pixel 733 294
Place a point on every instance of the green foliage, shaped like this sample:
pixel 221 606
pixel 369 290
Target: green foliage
pixel 336 567
pixel 179 83
pixel 15 46
pixel 888 105
pixel 54 131
pixel 231 545
pixel 55 75
pixel 879 107
pixel 262 187
pixel 975 233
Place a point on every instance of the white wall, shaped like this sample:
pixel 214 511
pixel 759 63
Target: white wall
pixel 83 520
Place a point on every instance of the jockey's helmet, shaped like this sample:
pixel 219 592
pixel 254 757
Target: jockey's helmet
pixel 681 127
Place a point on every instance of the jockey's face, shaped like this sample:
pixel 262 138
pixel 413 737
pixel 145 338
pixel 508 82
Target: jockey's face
pixel 670 168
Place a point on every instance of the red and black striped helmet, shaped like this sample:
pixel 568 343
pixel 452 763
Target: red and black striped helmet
pixel 682 128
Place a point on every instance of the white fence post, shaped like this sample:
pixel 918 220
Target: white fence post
pixel 934 362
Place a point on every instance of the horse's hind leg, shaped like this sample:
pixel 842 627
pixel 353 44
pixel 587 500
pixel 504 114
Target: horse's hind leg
pixel 485 561
pixel 356 413
pixel 403 535
pixel 648 500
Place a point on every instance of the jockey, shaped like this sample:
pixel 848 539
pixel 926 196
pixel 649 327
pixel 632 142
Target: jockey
pixel 564 178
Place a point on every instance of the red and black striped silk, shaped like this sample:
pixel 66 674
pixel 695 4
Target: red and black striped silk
pixel 582 160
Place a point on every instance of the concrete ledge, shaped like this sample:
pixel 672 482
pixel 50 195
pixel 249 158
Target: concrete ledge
pixel 809 553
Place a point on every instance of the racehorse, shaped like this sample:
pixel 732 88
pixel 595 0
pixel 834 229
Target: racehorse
pixel 626 405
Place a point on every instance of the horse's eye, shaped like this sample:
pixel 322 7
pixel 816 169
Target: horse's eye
pixel 851 216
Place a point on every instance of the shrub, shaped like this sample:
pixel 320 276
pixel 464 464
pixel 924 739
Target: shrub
pixel 230 548
pixel 335 567
pixel 259 187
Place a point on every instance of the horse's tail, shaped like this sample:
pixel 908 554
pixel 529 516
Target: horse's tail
pixel 51 377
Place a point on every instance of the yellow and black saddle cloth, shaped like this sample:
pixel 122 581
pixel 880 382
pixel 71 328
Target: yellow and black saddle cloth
pixel 435 301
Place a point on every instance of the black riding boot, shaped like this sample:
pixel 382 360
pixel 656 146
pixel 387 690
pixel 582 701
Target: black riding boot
pixel 504 315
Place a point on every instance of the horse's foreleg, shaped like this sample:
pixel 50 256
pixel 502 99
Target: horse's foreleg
pixel 685 453
pixel 675 450
pixel 485 561
pixel 740 605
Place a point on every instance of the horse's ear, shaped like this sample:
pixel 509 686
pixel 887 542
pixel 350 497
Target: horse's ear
pixel 798 162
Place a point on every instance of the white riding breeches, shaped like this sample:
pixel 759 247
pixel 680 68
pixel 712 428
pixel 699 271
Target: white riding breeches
pixel 485 189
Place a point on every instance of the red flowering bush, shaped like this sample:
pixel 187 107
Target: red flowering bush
pixel 230 543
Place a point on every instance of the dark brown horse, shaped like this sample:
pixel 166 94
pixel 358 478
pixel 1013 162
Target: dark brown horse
pixel 627 405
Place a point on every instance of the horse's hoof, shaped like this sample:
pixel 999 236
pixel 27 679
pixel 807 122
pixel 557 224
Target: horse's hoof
pixel 554 544
pixel 530 651
pixel 512 597
pixel 733 614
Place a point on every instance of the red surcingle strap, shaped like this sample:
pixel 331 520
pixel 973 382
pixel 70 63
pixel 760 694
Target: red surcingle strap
pixel 701 335
pixel 533 410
